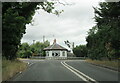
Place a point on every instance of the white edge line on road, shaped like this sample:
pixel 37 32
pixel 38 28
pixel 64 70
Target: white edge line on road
pixel 74 72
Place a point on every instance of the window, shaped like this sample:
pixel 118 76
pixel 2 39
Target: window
pixel 63 53
pixel 47 53
pixel 52 54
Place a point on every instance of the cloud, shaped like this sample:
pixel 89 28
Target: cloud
pixel 71 25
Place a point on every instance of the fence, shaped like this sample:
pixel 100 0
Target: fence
pixel 60 58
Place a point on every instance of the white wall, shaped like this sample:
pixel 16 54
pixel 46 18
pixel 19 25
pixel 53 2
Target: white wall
pixel 65 53
pixel 50 53
pixel 60 53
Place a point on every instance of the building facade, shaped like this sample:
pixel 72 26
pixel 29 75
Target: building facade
pixel 55 50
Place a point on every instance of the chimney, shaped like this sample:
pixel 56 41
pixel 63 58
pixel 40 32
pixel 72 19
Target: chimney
pixel 54 41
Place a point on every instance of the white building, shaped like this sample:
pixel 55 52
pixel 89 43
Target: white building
pixel 55 50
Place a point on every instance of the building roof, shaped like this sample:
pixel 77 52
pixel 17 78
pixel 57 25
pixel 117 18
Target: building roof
pixel 55 46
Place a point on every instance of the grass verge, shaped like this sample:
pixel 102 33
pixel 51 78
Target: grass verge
pixel 110 64
pixel 11 68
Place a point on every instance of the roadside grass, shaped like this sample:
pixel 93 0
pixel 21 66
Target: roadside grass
pixel 113 64
pixel 11 68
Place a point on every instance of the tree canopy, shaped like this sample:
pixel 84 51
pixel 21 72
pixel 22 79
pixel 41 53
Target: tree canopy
pixel 26 51
pixel 103 39
pixel 80 51
pixel 15 16
pixel 37 48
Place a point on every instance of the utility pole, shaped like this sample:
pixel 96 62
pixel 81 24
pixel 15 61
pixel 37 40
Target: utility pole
pixel 33 41
pixel 73 45
pixel 53 36
pixel 43 38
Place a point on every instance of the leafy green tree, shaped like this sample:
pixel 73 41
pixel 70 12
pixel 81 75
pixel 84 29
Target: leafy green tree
pixel 15 16
pixel 24 51
pixel 80 51
pixel 103 41
pixel 37 48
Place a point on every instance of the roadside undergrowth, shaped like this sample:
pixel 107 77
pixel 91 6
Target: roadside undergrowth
pixel 11 68
pixel 113 64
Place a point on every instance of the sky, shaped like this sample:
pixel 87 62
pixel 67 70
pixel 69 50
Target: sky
pixel 72 24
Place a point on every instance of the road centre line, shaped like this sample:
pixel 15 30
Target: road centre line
pixel 89 78
pixel 74 72
pixel 79 74
pixel 31 64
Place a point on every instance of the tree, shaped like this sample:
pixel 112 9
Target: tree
pixel 24 51
pixel 103 41
pixel 80 51
pixel 15 16
pixel 37 48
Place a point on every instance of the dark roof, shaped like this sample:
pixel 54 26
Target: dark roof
pixel 55 46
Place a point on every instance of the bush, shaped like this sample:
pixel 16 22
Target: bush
pixel 80 51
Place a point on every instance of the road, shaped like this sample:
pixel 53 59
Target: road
pixel 61 70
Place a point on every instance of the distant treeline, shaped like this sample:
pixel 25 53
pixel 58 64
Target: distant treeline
pixel 103 40
pixel 26 51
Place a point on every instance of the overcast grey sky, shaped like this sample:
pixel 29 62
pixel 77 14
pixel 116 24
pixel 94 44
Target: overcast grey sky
pixel 71 25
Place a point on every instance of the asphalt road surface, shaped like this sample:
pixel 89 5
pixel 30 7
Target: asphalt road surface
pixel 65 70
